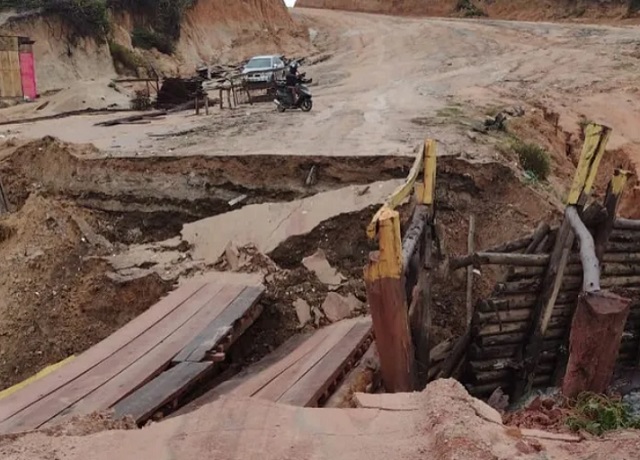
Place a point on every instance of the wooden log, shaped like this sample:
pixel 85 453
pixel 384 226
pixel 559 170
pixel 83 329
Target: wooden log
pixel 528 300
pixel 422 331
pixel 537 238
pixel 488 388
pixel 511 246
pixel 506 374
pixel 588 257
pixel 517 326
pixel 626 224
pixel 477 352
pixel 144 116
pixel 626 247
pixel 206 105
pixel 470 249
pixel 414 235
pixel 387 302
pixel 494 258
pixel 523 314
pixel 455 357
pixel 596 333
pixel 514 338
pixel 624 236
pixel 631 258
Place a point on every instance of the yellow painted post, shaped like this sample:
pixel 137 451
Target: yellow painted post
pixel 595 142
pixel 384 282
pixel 430 154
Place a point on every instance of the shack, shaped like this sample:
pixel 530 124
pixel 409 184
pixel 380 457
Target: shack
pixel 17 68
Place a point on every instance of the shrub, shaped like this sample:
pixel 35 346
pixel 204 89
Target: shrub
pixel 148 39
pixel 124 57
pixel 140 101
pixel 533 158
pixel 468 9
pixel 598 414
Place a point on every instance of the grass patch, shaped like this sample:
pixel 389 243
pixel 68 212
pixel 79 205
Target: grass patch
pixel 533 159
pixel 468 9
pixel 124 58
pixel 449 112
pixel 598 414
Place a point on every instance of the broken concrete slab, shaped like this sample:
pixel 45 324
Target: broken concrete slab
pixel 303 310
pixel 337 307
pixel 318 264
pixel 269 224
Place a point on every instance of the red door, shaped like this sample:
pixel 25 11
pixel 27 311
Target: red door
pixel 28 75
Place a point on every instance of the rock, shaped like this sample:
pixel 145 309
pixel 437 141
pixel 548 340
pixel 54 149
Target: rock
pixel 318 264
pixel 337 307
pixel 232 255
pixel 303 310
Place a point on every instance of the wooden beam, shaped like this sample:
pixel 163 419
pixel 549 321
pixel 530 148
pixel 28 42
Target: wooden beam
pixel 595 142
pixel 471 246
pixel 590 263
pixel 496 258
pixel 430 155
pixel 399 194
pixel 611 202
pixel 627 224
pixel 387 301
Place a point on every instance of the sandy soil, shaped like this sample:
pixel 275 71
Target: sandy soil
pixel 391 81
pixel 442 422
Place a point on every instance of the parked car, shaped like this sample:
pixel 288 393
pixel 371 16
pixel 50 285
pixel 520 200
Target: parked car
pixel 263 69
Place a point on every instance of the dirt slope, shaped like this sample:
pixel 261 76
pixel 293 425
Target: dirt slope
pixel 212 30
pixel 503 9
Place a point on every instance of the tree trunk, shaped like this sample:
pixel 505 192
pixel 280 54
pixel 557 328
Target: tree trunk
pixel 596 333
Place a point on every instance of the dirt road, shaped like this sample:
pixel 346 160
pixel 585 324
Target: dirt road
pixel 390 81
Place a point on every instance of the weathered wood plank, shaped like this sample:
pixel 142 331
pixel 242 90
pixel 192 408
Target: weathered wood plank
pixel 310 387
pixel 171 384
pixel 13 404
pixel 154 361
pixel 212 335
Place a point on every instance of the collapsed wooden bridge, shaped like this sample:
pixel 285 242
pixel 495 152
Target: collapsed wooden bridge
pixel 557 288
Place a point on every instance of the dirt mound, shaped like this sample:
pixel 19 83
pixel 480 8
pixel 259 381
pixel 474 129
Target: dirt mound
pixel 55 299
pixel 441 422
pixel 503 9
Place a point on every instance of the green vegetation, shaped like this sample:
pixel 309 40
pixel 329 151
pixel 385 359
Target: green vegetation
pixel 533 158
pixel 597 414
pixel 87 18
pixel 148 39
pixel 468 9
pixel 159 27
pixel 124 58
pixel 451 111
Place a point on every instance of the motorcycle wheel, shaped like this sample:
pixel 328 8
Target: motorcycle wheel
pixel 306 105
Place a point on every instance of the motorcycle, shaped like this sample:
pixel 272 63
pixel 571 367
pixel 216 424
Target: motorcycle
pixel 284 98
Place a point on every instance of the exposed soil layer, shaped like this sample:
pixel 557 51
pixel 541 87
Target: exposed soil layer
pixel 55 298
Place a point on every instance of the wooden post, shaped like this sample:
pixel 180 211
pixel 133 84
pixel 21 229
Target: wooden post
pixel 197 105
pixel 4 203
pixel 387 302
pixel 597 326
pixel 611 201
pixel 206 105
pixel 470 250
pixel 221 99
pixel 596 137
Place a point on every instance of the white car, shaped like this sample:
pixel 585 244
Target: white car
pixel 263 69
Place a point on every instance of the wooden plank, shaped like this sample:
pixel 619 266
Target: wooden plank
pixel 253 385
pixel 213 334
pixel 169 385
pixel 308 389
pixel 95 355
pixel 155 360
pixel 596 138
pixel 55 403
pixel 278 386
pixel 43 373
